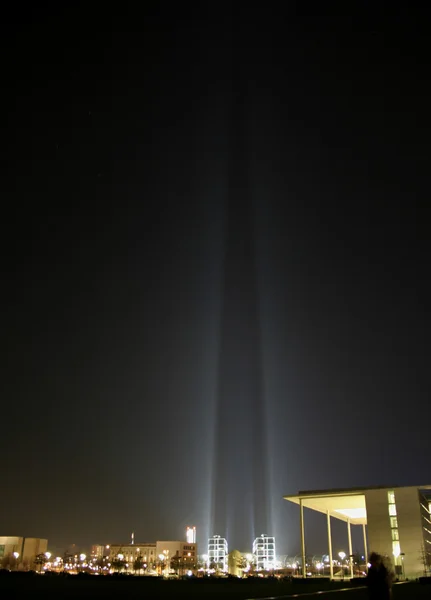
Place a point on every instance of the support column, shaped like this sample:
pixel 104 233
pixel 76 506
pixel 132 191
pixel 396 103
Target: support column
pixel 365 543
pixel 301 518
pixel 349 535
pixel 331 566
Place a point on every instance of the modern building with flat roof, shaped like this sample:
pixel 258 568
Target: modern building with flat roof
pixel 130 552
pixel 264 552
pixel 23 550
pixel 396 522
pixel 218 552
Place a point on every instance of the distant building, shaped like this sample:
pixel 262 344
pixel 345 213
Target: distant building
pixel 217 552
pixel 183 554
pixel 191 535
pixel 97 551
pixel 396 522
pixel 21 551
pixel 264 552
pixel 130 552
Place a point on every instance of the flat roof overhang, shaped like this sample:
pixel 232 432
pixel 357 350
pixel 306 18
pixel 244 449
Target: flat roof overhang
pixel 342 505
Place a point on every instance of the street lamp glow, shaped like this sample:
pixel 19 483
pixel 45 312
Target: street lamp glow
pixel 342 555
pixel 120 556
pixel 16 554
pixel 82 557
pixel 48 555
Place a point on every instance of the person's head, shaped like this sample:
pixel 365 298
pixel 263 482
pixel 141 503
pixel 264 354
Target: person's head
pixel 375 559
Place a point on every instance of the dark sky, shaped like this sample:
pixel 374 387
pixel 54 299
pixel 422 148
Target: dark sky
pixel 207 214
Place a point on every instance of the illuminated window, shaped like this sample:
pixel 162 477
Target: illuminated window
pixel 396 549
pixel 392 510
pixel 394 522
pixel 391 497
pixel 395 535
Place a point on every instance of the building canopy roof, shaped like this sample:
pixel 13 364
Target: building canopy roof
pixel 343 504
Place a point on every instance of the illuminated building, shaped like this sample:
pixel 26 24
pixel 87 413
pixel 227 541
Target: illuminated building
pixel 23 550
pixel 264 552
pixel 396 522
pixel 97 551
pixel 130 552
pixel 180 549
pixel 191 535
pixel 150 553
pixel 217 552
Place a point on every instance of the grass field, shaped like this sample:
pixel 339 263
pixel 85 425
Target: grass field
pixel 103 587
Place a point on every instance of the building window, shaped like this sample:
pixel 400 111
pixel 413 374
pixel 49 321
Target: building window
pixel 396 549
pixel 391 497
pixel 395 535
pixel 392 510
pixel 394 522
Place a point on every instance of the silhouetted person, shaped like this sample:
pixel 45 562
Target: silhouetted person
pixel 379 579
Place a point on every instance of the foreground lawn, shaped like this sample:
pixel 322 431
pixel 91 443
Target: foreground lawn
pixel 15 586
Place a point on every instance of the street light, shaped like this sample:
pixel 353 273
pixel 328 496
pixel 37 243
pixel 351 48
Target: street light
pixel 166 557
pixel 342 555
pixel 161 559
pixel 402 554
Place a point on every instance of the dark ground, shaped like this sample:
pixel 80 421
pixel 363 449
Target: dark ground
pixel 73 587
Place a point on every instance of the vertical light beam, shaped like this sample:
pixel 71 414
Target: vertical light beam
pixel 240 458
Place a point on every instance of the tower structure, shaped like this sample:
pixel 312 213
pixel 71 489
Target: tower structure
pixel 264 552
pixel 191 535
pixel 217 552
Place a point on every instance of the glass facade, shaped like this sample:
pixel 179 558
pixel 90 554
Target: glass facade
pixel 264 551
pixel 392 508
pixel 217 553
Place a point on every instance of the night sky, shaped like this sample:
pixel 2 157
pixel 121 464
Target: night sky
pixel 215 266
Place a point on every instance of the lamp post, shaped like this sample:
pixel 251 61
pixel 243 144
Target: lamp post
pixel 166 553
pixel 342 555
pixel 161 559
pixel 402 554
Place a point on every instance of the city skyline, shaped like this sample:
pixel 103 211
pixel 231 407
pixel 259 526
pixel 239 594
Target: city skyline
pixel 216 251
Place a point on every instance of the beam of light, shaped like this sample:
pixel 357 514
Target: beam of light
pixel 240 468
